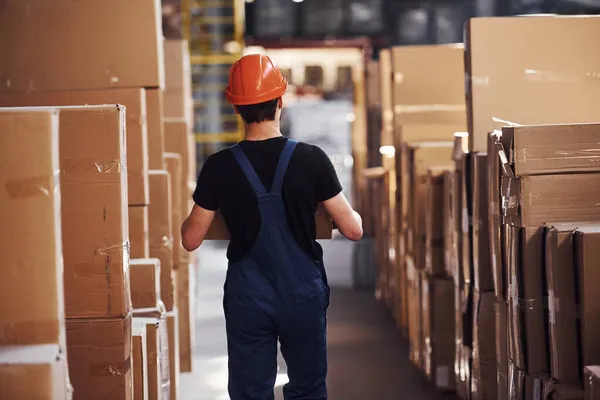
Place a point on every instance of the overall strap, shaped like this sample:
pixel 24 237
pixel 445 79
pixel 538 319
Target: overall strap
pixel 251 175
pixel 282 165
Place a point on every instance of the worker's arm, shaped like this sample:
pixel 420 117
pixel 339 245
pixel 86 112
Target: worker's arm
pixel 346 220
pixel 195 227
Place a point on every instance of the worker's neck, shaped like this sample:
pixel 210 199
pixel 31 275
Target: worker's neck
pixel 262 131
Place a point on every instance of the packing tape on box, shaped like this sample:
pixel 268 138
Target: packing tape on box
pixel 114 249
pixel 542 76
pixel 33 186
pixel 104 370
pixel 22 333
pixel 89 165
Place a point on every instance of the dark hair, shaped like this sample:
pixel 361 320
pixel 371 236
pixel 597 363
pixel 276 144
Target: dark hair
pixel 259 112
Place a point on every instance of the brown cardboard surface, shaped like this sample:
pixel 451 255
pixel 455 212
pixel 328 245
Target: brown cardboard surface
pixel 428 84
pixel 136 127
pixel 155 358
pixel 139 232
pixel 438 332
pixel 145 284
pixel 161 232
pixel 30 213
pixel 386 99
pixel 553 77
pixel 458 335
pixel 435 222
pixel 186 316
pixel 417 158
pixel 482 269
pixel 428 132
pixel 415 322
pixel 548 149
pixel 591 382
pixel 457 236
pixel 497 256
pixel 466 372
pixel 523 386
pixel 173 349
pixel 501 308
pixel 156 130
pixel 535 200
pixel 84 52
pixel 33 372
pixel 177 140
pixel 139 360
pixel 174 167
pixel 94 202
pixel 526 302
pixel 466 168
pixel 562 307
pixel 178 81
pixel 449 218
pixel 587 245
pixel 485 367
pixel 99 353
pixel 553 390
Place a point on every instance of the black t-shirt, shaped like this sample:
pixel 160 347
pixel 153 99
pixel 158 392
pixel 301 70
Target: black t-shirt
pixel 309 179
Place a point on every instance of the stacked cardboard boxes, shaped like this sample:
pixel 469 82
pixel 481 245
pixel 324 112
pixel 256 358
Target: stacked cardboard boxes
pixel 104 174
pixel 33 360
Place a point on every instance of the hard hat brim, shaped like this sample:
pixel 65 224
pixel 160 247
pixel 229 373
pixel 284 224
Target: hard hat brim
pixel 262 98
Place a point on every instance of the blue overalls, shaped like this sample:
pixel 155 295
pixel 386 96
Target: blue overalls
pixel 275 292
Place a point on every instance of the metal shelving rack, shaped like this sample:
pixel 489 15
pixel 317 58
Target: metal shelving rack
pixel 215 31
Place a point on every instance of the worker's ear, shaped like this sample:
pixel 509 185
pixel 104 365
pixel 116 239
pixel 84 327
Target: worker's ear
pixel 280 102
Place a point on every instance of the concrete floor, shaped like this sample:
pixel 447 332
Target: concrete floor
pixel 367 357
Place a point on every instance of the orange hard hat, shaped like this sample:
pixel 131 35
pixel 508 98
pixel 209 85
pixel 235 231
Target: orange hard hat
pixel 254 79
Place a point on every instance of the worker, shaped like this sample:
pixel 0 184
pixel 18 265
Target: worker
pixel 267 189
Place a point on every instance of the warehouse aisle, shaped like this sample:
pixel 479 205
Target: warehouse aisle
pixel 367 359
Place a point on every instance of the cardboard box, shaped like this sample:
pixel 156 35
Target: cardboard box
pixel 545 149
pixel 523 386
pixel 501 308
pixel 550 77
pixel 428 84
pixel 484 376
pixel 139 232
pixel 497 255
pixel 386 100
pixel 563 315
pixel 466 169
pixel 466 373
pixel 417 158
pixel 415 321
pixel 161 233
pixel 592 382
pixel 136 127
pixel 156 133
pixel 177 140
pixel 94 202
pixel 186 292
pixel 178 81
pixel 34 372
pixel 90 54
pixel 139 359
pixel 438 332
pixel 173 166
pixel 145 284
pixel 99 353
pixel 449 217
pixel 552 389
pixel 30 213
pixel 535 200
pixel 173 349
pixel 526 301
pixel 458 338
pixel 435 222
pixel 587 245
pixel 158 357
pixel 427 132
pixel 483 277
